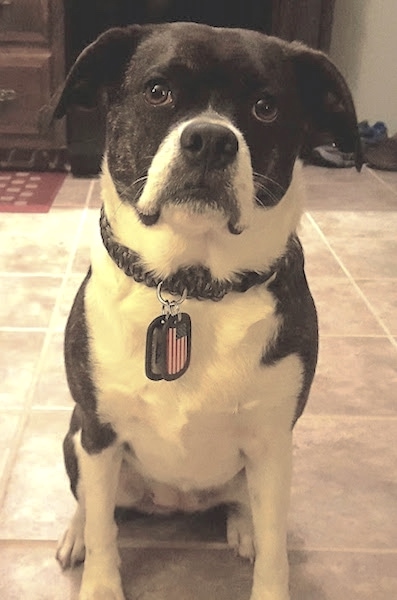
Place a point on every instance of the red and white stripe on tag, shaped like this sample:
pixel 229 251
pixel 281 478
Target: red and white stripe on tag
pixel 177 348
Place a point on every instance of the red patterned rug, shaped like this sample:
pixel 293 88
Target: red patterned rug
pixel 28 192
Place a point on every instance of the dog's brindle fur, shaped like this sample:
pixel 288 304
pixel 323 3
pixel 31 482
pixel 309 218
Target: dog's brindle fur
pixel 204 126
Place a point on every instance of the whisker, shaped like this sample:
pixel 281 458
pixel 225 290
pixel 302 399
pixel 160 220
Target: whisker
pixel 270 179
pixel 262 184
pixel 268 192
pixel 126 190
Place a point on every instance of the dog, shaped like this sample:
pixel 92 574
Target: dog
pixel 192 342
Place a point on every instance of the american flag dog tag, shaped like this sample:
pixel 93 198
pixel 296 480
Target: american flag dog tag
pixel 168 341
pixel 168 347
pixel 177 332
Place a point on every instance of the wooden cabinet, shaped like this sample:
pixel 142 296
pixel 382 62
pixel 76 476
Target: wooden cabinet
pixel 31 69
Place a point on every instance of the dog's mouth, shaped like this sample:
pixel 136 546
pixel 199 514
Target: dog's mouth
pixel 196 201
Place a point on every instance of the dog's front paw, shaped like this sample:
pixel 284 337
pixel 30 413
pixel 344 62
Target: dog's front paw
pixel 101 589
pixel 273 586
pixel 240 535
pixel 71 549
pixel 271 596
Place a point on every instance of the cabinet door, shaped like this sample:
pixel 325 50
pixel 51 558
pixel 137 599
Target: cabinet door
pixel 24 20
pixel 24 88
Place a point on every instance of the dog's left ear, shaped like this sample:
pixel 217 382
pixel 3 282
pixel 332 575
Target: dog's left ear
pixel 100 66
pixel 327 100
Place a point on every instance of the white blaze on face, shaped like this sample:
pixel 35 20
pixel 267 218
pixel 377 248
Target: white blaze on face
pixel 162 169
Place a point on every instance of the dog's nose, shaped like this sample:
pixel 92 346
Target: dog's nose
pixel 210 144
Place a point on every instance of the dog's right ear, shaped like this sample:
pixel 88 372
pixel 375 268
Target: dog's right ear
pixel 327 99
pixel 100 66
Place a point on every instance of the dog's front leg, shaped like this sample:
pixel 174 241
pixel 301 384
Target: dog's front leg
pixel 269 479
pixel 99 477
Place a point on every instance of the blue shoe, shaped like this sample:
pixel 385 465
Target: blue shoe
pixel 371 136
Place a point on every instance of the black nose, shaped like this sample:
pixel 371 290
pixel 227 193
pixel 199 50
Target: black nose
pixel 209 144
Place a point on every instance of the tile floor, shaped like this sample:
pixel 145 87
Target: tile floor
pixel 343 518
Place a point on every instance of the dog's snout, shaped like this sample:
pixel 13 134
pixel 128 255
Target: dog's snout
pixel 210 144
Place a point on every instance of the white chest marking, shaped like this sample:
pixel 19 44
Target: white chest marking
pixel 189 433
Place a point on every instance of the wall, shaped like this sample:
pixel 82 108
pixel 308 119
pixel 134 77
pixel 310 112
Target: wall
pixel 364 47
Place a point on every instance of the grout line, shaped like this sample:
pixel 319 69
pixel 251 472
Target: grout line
pixel 188 545
pixel 198 545
pixel 382 551
pixel 5 329
pixel 345 417
pixel 131 543
pixel 380 180
pixel 378 279
pixel 27 275
pixel 15 444
pixel 355 335
pixel 52 408
pixel 353 282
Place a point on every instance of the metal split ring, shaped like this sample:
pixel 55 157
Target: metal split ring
pixel 170 306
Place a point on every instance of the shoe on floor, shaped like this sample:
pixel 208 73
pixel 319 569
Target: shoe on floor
pixel 372 135
pixel 383 156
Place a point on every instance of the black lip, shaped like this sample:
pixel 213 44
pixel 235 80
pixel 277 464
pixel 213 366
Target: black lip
pixel 233 229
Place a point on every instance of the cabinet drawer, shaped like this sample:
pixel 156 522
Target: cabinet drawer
pixel 24 20
pixel 24 88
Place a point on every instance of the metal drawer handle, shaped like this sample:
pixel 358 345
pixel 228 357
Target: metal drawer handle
pixel 7 95
pixel 5 2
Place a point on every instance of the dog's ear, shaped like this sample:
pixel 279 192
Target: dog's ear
pixel 327 99
pixel 100 66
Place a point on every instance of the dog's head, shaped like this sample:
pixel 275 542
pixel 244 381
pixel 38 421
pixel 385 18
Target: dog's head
pixel 204 124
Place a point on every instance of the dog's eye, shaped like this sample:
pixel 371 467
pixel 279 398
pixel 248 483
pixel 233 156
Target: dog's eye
pixel 158 93
pixel 265 109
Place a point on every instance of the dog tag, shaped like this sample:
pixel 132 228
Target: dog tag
pixel 177 332
pixel 168 347
pixel 155 348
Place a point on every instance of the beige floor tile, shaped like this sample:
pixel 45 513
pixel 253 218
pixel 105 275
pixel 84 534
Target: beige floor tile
pixel 20 352
pixel 73 193
pixel 344 575
pixel 345 189
pixel 345 483
pixel 367 258
pixel 83 254
pixel 29 571
pixel 162 574
pixel 383 298
pixel 51 389
pixel 38 503
pixel 69 293
pixel 96 200
pixel 346 374
pixel 340 308
pixel 319 261
pixel 38 243
pixel 9 422
pixel 388 177
pixel 353 224
pixel 27 301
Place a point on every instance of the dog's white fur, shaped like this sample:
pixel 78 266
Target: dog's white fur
pixel 227 411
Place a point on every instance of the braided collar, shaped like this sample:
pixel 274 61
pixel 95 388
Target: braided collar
pixel 196 280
